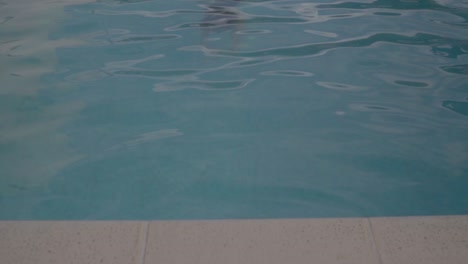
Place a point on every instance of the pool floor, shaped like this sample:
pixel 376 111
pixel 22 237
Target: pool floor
pixel 415 240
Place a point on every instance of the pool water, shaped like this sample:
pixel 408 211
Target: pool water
pixel 220 109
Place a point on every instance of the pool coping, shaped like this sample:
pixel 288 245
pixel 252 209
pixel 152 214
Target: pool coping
pixel 381 240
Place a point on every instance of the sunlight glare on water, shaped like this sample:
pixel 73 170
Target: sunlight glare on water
pixel 204 109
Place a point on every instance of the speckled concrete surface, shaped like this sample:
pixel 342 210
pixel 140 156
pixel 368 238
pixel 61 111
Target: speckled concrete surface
pixel 72 242
pixel 396 240
pixel 422 240
pixel 261 241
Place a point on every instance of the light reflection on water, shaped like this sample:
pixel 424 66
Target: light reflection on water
pixel 233 109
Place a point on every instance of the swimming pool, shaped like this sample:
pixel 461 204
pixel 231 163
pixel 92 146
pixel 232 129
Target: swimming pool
pixel 233 109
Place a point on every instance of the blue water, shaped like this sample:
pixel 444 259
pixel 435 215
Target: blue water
pixel 218 109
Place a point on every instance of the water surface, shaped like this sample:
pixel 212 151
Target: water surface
pixel 191 109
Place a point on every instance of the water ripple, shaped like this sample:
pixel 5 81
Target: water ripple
pixel 456 69
pixel 155 73
pixel 6 19
pixel 460 11
pixel 142 38
pixel 130 63
pixel 387 14
pixel 252 62
pixel 341 86
pixel 150 14
pixel 321 33
pixel 90 75
pixel 123 2
pixel 234 21
pixel 372 108
pixel 148 137
pixel 253 32
pixel 451 50
pixel 288 73
pixel 405 81
pixel 419 39
pixel 456 106
pixel 202 85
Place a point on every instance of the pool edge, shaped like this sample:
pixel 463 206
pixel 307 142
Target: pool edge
pixel 414 239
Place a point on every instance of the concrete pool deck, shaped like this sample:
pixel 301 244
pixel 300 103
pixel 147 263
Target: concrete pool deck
pixel 394 240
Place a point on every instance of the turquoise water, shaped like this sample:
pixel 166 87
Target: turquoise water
pixel 190 109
